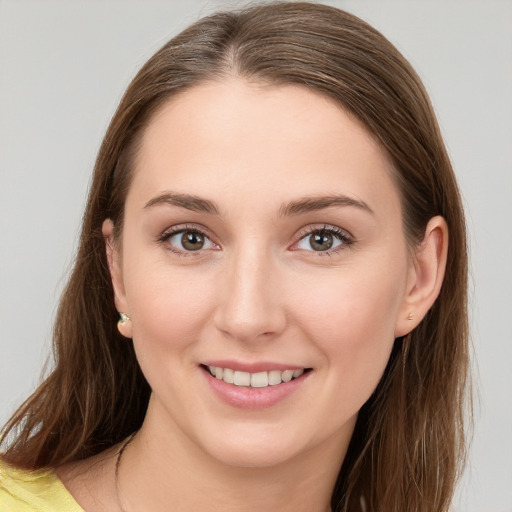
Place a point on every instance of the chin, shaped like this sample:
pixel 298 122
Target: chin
pixel 253 457
pixel 255 449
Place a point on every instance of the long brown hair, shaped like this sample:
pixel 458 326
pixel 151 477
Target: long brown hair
pixel 408 443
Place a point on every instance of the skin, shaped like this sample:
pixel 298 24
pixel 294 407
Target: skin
pixel 257 291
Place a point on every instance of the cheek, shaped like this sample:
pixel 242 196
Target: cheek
pixel 169 307
pixel 350 301
pixel 351 318
pixel 169 310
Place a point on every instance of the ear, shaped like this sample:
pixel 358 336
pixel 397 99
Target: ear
pixel 426 274
pixel 116 275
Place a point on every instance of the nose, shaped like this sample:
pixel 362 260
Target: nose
pixel 251 302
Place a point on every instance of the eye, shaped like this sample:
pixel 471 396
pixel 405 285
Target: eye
pixel 325 239
pixel 188 240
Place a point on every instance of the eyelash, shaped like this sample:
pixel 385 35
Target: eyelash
pixel 176 230
pixel 341 235
pixel 345 238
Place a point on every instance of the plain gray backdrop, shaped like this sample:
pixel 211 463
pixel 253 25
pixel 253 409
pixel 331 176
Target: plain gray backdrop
pixel 63 68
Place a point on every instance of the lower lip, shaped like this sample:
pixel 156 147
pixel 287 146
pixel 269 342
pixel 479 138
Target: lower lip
pixel 245 397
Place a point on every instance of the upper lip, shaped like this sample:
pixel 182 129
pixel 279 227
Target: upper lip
pixel 252 367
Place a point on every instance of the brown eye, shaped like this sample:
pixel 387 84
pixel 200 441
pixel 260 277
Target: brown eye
pixel 324 239
pixel 188 240
pixel 192 241
pixel 321 241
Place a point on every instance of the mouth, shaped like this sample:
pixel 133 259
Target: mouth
pixel 255 380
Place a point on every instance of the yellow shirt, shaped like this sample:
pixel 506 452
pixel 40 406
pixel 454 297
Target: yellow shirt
pixel 33 491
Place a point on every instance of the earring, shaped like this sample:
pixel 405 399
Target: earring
pixel 123 318
pixel 410 317
pixel 124 325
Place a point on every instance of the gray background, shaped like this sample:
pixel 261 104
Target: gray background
pixel 63 68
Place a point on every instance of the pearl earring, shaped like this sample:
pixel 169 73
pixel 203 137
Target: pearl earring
pixel 124 325
pixel 123 318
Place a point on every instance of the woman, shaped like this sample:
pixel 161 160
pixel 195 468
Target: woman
pixel 274 221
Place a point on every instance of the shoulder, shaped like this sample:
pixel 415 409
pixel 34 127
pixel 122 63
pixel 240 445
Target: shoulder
pixel 33 491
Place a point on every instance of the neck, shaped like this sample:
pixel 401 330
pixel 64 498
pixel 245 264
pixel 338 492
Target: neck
pixel 166 469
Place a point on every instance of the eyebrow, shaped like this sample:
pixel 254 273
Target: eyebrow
pixel 311 204
pixel 187 201
pixel 300 206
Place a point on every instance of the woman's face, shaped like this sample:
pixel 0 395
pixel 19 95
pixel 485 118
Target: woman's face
pixel 262 236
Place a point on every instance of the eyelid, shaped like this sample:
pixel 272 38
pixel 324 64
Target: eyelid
pixel 181 228
pixel 331 228
pixel 343 235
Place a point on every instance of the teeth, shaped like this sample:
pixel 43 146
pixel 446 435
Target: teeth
pixel 259 380
pixel 242 379
pixel 287 375
pixel 274 377
pixel 254 380
pixel 229 375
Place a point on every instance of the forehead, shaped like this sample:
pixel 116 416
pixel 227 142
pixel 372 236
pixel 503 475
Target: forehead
pixel 280 141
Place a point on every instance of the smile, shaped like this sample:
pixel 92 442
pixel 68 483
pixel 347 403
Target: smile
pixel 254 380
